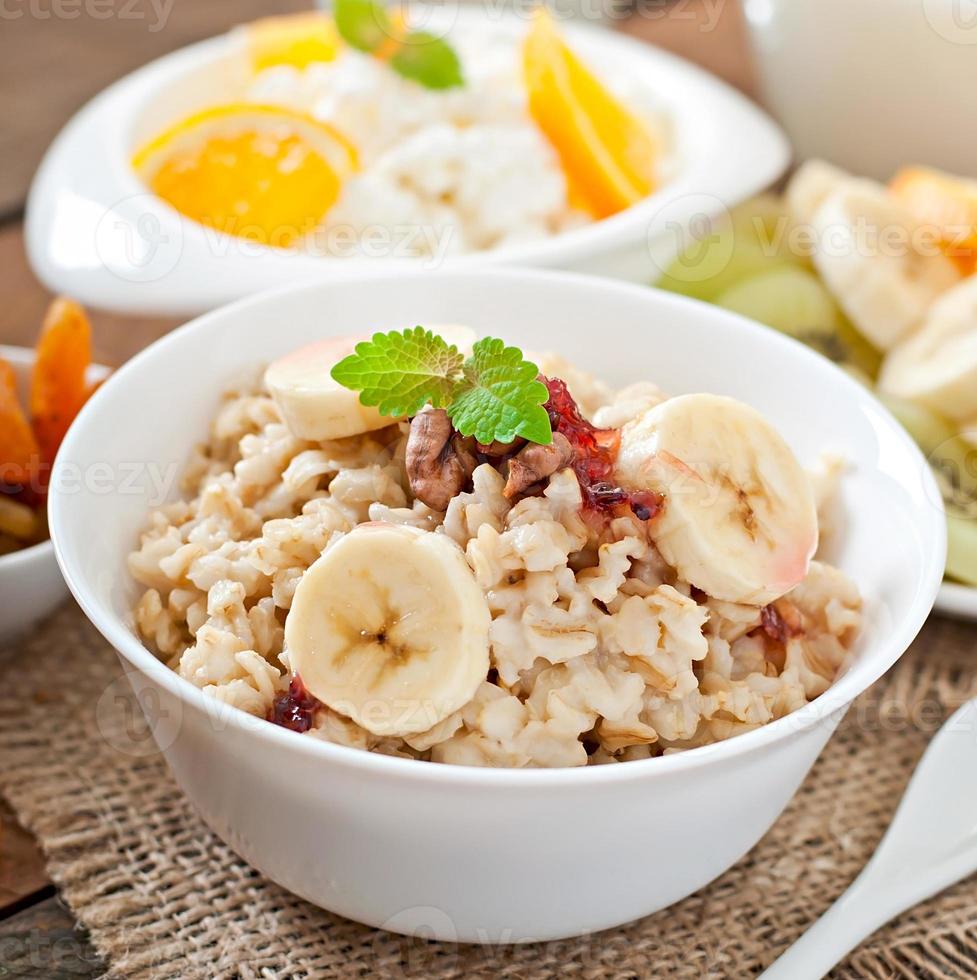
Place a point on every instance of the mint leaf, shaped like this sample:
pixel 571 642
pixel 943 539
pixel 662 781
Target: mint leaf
pixel 402 371
pixel 501 397
pixel 429 60
pixel 363 24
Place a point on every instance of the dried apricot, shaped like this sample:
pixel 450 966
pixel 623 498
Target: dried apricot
pixel 18 447
pixel 58 387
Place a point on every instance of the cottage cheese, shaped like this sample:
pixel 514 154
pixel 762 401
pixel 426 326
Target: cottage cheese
pixel 443 172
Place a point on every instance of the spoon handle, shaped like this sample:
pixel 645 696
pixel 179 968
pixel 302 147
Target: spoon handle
pixel 857 914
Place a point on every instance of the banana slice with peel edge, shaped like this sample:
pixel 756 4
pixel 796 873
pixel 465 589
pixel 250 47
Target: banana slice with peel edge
pixel 390 629
pixel 317 408
pixel 739 520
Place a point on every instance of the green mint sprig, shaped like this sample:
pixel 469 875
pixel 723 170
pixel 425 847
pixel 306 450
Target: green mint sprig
pixel 418 55
pixel 494 395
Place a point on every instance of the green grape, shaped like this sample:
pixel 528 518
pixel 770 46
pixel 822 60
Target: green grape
pixel 765 219
pixel 953 458
pixel 714 263
pixel 789 300
pixel 754 237
pixel 961 556
pixel 793 301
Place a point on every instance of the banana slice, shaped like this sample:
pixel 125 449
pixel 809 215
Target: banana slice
pixel 739 520
pixel 812 182
pixel 390 628
pixel 317 408
pixel 937 367
pixel 865 257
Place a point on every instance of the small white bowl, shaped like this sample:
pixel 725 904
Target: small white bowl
pixel 95 232
pixel 484 855
pixel 31 584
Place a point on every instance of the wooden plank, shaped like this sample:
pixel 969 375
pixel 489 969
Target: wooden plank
pixel 43 943
pixel 59 53
pixel 116 337
pixel 22 874
pixel 710 33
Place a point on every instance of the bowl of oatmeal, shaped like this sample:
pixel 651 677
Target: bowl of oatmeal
pixel 248 161
pixel 383 638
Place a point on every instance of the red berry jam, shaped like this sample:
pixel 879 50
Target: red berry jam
pixel 595 451
pixel 296 709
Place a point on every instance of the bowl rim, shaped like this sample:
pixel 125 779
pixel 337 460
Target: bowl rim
pixel 825 709
pixel 101 127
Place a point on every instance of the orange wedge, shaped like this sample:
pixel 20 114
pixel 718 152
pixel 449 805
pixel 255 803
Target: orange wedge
pixel 264 173
pixel 293 39
pixel 946 203
pixel 607 152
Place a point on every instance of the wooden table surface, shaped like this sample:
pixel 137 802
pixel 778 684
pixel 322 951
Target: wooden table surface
pixel 53 57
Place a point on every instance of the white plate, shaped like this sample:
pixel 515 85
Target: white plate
pixel 95 232
pixel 959 601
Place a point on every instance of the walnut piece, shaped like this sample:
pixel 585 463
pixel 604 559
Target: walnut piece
pixel 534 463
pixel 439 460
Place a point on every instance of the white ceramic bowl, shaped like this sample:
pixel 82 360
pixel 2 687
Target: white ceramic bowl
pixel 31 584
pixel 476 854
pixel 94 231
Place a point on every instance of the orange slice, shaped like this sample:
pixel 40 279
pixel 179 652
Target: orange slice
pixel 293 39
pixel 946 203
pixel 608 152
pixel 264 173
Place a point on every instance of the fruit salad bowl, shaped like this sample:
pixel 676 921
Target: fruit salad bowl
pixel 480 854
pixel 96 231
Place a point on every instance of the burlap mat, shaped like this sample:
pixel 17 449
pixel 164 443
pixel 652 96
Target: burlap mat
pixel 164 898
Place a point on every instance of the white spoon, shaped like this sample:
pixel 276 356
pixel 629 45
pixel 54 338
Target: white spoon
pixel 930 845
